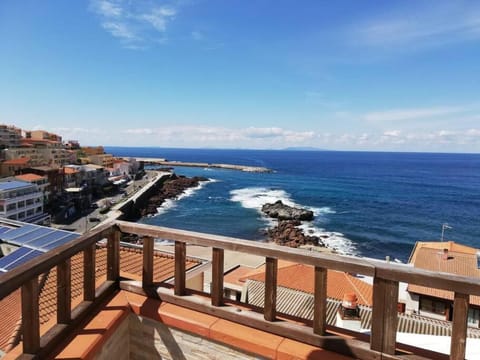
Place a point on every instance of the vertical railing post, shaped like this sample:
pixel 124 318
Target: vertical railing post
pixel 113 255
pixel 180 276
pixel 89 273
pixel 217 277
pixel 64 292
pixel 30 316
pixel 270 307
pixel 147 272
pixel 383 336
pixel 320 301
pixel 459 326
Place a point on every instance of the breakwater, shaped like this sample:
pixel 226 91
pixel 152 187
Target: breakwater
pixel 131 208
pixel 164 162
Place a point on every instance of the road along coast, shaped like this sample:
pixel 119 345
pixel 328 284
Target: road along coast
pixel 164 162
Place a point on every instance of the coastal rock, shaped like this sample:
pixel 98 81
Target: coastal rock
pixel 281 211
pixel 173 187
pixel 287 233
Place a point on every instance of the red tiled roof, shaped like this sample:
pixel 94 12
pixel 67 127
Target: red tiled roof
pixel 440 245
pixel 131 261
pixel 29 177
pixel 18 161
pixel 459 263
pixel 69 170
pixel 302 277
pixel 10 319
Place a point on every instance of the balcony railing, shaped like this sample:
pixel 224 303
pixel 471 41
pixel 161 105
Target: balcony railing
pixel 380 344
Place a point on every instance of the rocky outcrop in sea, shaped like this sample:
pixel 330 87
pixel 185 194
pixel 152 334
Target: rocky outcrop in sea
pixel 280 211
pixel 287 231
pixel 172 188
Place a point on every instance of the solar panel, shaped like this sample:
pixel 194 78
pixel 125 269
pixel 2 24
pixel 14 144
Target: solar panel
pixel 33 235
pixel 28 256
pixel 46 239
pixel 4 229
pixel 18 257
pixel 14 233
pixel 61 241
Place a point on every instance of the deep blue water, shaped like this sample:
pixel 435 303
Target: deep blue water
pixel 368 203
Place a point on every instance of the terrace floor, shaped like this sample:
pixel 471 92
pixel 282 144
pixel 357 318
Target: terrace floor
pixel 176 329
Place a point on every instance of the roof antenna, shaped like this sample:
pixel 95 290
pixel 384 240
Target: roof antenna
pixel 444 227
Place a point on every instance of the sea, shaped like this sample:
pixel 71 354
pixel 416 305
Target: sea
pixel 371 204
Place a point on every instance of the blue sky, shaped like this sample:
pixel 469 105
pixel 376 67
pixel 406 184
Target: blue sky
pixel 344 75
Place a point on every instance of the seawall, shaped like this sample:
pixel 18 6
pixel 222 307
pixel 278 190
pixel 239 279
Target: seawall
pixel 164 162
pixel 130 209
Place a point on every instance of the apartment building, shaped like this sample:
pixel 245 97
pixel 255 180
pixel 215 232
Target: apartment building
pixel 105 160
pixel 10 136
pixel 20 200
pixel 40 181
pixel 14 166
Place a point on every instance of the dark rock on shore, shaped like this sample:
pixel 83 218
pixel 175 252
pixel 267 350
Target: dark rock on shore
pixel 280 211
pixel 173 187
pixel 287 233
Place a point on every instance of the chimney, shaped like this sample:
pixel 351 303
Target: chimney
pixel 445 254
pixel 348 314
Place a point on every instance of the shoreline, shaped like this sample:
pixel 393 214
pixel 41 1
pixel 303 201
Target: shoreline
pixel 165 162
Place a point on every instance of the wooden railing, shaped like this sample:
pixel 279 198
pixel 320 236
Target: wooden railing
pixel 385 289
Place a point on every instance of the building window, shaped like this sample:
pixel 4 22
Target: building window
pixel 38 210
pixel 11 207
pixel 433 306
pixel 474 317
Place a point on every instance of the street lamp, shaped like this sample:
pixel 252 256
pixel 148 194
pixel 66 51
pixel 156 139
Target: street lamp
pixel 444 227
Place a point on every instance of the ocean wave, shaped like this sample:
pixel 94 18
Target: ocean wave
pixel 171 203
pixel 331 239
pixel 256 197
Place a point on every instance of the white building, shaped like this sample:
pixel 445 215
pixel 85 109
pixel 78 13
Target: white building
pixel 20 200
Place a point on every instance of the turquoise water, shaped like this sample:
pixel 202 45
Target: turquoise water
pixel 367 203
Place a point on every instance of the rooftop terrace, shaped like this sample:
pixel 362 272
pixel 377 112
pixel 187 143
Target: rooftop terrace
pixel 145 304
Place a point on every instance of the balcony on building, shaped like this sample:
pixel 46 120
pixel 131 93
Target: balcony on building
pixel 96 296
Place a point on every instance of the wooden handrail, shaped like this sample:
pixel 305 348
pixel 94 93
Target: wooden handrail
pixel 16 277
pixel 386 281
pixel 373 268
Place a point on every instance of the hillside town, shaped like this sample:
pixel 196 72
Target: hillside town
pixel 45 179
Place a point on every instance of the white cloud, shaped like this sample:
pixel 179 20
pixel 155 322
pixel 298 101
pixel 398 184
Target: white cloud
pixel 107 8
pixel 159 17
pixel 119 30
pixel 136 23
pixel 412 114
pixel 220 136
pixel 419 27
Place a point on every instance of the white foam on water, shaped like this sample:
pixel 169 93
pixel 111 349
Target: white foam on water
pixel 171 203
pixel 331 239
pixel 256 197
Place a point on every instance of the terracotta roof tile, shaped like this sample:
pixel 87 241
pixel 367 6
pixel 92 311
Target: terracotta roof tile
pixel 69 170
pixel 18 161
pixel 30 177
pixel 237 275
pixel 131 264
pixel 10 318
pixel 301 277
pixel 459 263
